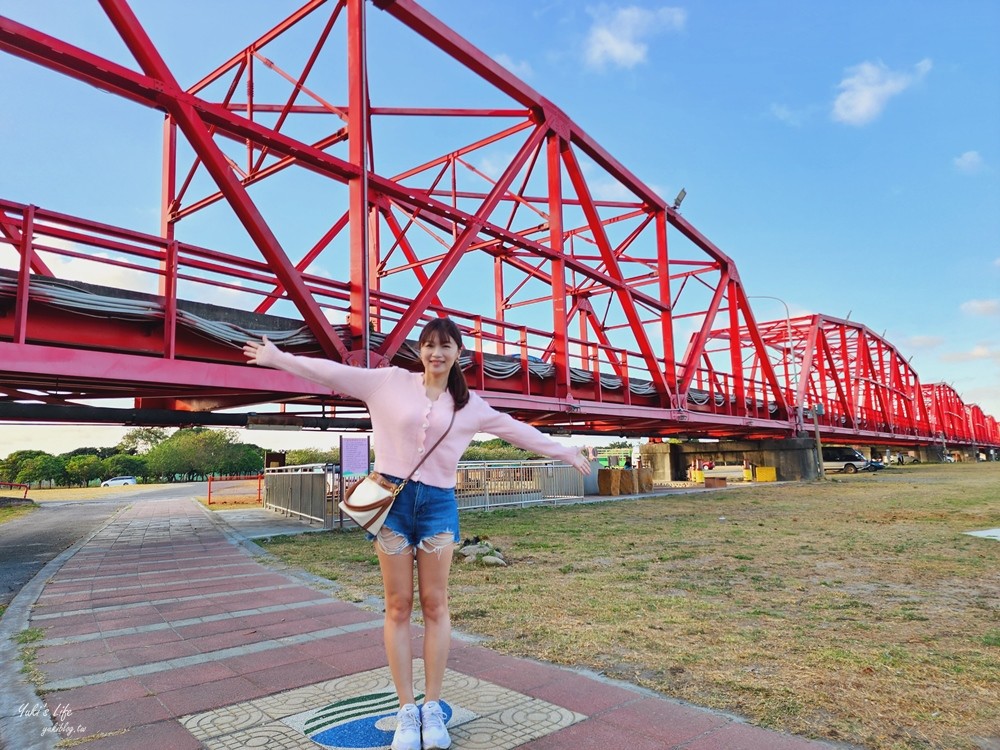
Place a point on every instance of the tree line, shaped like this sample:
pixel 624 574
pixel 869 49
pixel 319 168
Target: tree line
pixel 152 455
pixel 147 453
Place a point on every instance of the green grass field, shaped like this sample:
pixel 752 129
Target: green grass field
pixel 854 609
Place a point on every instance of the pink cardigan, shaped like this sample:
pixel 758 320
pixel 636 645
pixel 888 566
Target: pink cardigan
pixel 406 423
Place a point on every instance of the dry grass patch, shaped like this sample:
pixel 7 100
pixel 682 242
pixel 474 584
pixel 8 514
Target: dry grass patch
pixel 84 493
pixel 245 502
pixel 10 512
pixel 853 609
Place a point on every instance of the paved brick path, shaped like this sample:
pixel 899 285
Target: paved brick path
pixel 166 630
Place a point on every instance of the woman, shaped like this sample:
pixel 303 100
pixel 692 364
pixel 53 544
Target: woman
pixel 410 412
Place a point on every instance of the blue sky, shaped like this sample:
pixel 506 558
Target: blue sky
pixel 845 155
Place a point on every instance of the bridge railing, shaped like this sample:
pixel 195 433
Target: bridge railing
pixel 310 491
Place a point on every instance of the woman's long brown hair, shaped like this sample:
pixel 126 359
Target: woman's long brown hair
pixel 443 329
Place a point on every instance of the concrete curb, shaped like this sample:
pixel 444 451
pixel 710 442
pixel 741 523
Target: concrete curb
pixel 26 723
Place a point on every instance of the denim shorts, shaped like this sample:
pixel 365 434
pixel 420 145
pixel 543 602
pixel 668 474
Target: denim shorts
pixel 422 511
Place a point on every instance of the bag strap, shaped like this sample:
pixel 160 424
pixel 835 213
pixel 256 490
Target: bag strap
pixel 416 468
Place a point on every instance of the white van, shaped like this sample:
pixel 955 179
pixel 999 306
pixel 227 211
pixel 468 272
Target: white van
pixel 118 481
pixel 841 458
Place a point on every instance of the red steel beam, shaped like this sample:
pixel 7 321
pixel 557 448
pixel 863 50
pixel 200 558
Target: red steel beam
pixel 860 377
pixel 23 278
pixel 358 207
pixel 107 75
pixel 625 298
pixel 8 230
pixel 197 133
pixel 409 319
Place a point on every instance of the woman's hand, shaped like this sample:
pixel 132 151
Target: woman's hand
pixel 581 463
pixel 263 353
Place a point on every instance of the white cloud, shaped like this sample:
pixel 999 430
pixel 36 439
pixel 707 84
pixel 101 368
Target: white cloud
pixel 520 69
pixel 787 115
pixel 62 438
pixel 923 342
pixel 977 353
pixel 617 35
pixel 981 307
pixel 95 269
pixel 9 257
pixel 970 162
pixel 57 438
pixel 494 163
pixel 609 189
pixel 99 268
pixel 987 396
pixel 868 87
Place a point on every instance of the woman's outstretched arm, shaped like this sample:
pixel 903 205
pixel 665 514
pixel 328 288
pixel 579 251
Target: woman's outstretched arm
pixel 351 381
pixel 527 437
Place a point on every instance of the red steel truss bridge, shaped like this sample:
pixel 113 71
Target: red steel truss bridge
pixel 584 313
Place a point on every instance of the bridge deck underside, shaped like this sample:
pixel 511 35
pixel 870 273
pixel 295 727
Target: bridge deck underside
pixel 88 342
pixel 92 343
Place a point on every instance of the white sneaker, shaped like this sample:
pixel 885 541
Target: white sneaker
pixel 407 736
pixel 435 734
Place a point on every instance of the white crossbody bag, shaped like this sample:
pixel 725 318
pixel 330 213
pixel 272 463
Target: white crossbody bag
pixel 367 503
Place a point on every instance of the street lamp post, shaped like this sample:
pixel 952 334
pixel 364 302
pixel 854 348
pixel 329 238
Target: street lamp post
pixel 817 412
pixel 789 353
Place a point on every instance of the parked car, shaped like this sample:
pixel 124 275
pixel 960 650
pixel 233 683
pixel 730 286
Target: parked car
pixel 842 458
pixel 948 458
pixel 117 481
pixel 874 465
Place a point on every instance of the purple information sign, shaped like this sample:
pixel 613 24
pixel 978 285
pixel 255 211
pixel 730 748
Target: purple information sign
pixel 353 457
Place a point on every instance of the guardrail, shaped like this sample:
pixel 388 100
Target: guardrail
pixel 14 485
pixel 235 489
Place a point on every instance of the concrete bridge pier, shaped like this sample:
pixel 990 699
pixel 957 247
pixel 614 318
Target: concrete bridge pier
pixel 925 454
pixel 792 458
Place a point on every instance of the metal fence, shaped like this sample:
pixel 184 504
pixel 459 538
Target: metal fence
pixel 303 491
pixel 310 491
pixel 498 484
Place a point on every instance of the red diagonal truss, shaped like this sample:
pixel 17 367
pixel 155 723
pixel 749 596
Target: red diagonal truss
pixel 866 389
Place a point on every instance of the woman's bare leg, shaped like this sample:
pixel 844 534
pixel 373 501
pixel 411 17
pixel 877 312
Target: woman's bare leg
pixel 397 581
pixel 433 566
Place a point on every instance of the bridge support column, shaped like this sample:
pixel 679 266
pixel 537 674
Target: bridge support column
pixel 932 454
pixel 792 458
pixel 657 458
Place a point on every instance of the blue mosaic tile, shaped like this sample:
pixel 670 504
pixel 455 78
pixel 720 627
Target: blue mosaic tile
pixel 363 722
